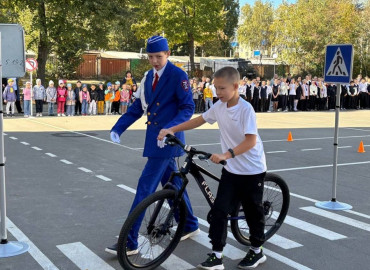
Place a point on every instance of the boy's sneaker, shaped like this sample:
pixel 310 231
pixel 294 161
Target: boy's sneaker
pixel 212 263
pixel 252 260
pixel 113 250
pixel 186 235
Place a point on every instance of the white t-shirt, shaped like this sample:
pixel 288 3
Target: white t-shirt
pixel 234 123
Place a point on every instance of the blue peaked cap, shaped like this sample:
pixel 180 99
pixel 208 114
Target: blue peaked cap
pixel 156 44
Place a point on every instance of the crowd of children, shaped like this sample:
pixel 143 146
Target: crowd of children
pixel 288 94
pixel 69 101
pixel 278 94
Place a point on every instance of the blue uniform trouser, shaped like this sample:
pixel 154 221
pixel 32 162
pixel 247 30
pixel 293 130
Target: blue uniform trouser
pixel 158 170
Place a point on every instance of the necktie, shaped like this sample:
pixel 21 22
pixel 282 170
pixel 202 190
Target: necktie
pixel 155 81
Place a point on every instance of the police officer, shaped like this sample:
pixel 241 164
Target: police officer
pixel 167 99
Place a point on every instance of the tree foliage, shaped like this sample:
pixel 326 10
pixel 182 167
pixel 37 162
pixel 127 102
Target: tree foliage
pixel 255 29
pixel 181 21
pixel 299 32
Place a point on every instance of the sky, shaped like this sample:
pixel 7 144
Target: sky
pixel 275 2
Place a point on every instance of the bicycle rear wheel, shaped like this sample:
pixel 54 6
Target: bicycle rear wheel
pixel 158 234
pixel 275 202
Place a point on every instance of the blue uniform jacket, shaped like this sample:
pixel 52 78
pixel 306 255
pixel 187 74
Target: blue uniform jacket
pixel 169 105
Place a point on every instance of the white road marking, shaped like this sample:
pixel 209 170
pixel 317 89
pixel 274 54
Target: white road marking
pixel 84 169
pixel 318 166
pixel 172 262
pixel 25 143
pixel 346 220
pixel 127 188
pixel 348 146
pixel 90 136
pixel 83 257
pixel 39 257
pixel 358 129
pixel 312 149
pixel 276 240
pixel 273 152
pixel 13 138
pixel 50 154
pixel 315 201
pixel 102 177
pixel 318 138
pixel 270 253
pixel 229 250
pixel 36 148
pixel 366 144
pixel 311 228
pixel 66 161
pixel 5 134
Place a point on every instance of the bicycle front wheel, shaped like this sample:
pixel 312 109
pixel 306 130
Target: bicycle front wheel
pixel 275 203
pixel 153 223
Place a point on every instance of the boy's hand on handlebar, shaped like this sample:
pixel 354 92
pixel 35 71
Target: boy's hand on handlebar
pixel 163 134
pixel 217 158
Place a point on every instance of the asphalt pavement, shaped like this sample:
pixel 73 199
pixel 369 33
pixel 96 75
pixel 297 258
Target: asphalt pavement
pixel 69 190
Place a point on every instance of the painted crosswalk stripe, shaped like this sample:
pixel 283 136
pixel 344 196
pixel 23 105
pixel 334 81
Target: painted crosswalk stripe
pixel 275 152
pixel 229 251
pixel 268 252
pixel 172 262
pixel 83 257
pixel 276 240
pixel 337 217
pixel 127 188
pixel 39 257
pixel 102 177
pixel 25 143
pixel 312 149
pixel 84 169
pixel 66 161
pixel 36 148
pixel 311 228
pixel 50 154
pixel 13 138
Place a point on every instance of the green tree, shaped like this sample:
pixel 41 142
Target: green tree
pixel 65 28
pixel 303 30
pixel 255 28
pixel 181 21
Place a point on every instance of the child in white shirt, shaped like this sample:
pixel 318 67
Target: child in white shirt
pixel 242 178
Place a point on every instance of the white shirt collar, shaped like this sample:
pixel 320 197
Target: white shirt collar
pixel 159 72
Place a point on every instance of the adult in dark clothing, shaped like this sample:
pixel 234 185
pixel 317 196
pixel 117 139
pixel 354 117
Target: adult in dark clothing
pixel 17 93
pixel 332 90
pixel 264 104
pixel 256 97
pixel 77 91
pixel 248 92
pixel 343 97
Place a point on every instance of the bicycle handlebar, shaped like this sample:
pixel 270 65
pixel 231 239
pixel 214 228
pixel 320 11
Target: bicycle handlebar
pixel 173 140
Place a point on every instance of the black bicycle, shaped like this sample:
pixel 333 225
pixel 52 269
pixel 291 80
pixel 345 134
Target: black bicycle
pixel 162 215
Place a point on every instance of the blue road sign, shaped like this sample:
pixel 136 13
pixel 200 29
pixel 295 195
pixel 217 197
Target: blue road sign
pixel 338 63
pixel 256 53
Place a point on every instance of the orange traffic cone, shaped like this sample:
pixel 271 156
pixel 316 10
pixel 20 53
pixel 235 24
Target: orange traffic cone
pixel 290 137
pixel 361 148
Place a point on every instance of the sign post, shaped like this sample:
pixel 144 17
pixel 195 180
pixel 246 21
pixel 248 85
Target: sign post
pixel 338 69
pixel 13 66
pixel 31 65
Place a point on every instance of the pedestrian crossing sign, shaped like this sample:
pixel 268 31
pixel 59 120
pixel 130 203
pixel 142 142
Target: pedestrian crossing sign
pixel 338 63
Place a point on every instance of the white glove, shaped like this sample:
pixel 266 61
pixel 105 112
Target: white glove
pixel 114 137
pixel 162 143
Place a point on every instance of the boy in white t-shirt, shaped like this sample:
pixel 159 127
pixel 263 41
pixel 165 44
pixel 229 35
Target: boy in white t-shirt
pixel 242 178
